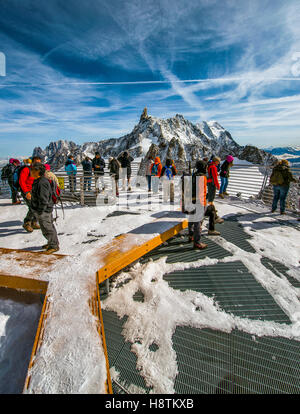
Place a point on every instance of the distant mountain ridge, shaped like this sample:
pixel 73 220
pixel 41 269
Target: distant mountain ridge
pixel 291 153
pixel 175 138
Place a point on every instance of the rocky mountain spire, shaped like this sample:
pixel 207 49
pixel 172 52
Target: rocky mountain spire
pixel 175 138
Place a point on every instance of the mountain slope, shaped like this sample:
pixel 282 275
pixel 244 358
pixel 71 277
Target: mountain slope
pixel 290 153
pixel 175 138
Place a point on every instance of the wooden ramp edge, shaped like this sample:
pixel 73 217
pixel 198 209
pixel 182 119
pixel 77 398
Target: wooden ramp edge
pixel 118 258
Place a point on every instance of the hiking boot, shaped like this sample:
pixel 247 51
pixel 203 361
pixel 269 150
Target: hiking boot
pixel 225 193
pixel 35 226
pixel 191 239
pixel 129 188
pixel 28 227
pixel 51 250
pixel 200 246
pixel 213 233
pixel 219 220
pixel 283 213
pixel 273 211
pixel 221 196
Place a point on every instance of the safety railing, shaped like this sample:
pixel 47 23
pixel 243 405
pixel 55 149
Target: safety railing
pixel 245 181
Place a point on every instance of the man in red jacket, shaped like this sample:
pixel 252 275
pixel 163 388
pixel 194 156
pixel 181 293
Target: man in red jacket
pixel 25 182
pixel 212 181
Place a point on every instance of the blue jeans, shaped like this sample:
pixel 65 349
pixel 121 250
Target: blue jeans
pixel 224 184
pixel 149 182
pixel 280 193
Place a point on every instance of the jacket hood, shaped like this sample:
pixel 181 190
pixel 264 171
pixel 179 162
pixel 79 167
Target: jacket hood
pixel 157 160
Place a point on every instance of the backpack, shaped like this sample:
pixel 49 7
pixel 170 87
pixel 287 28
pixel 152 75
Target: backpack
pixel 154 170
pixel 169 172
pixel 276 177
pixel 16 176
pixel 55 191
pixel 6 172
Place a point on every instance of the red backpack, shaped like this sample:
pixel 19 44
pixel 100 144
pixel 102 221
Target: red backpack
pixel 55 191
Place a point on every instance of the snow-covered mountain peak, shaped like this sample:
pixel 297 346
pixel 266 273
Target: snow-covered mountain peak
pixel 175 138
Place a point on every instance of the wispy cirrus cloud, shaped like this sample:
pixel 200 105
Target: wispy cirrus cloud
pixel 85 70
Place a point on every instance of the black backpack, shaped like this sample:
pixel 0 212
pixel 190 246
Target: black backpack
pixel 6 172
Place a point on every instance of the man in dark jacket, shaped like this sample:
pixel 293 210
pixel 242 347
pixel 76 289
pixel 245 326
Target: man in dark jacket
pixel 98 165
pixel 281 179
pixel 125 160
pixel 42 206
pixel 87 173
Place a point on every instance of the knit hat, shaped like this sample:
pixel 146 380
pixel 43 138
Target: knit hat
pixel 201 166
pixel 229 158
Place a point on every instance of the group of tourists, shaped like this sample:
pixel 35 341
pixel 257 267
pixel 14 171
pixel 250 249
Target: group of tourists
pixel 118 168
pixel 37 185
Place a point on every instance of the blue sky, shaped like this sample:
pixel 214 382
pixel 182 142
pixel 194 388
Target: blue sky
pixel 84 70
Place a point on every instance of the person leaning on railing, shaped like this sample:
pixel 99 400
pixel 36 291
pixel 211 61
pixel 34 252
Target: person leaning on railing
pixel 71 170
pixel 281 179
pixel 87 173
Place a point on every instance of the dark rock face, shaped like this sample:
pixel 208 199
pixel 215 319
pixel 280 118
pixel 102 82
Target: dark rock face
pixel 175 138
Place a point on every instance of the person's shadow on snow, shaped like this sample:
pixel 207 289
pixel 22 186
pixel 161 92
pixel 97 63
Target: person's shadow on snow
pixel 6 231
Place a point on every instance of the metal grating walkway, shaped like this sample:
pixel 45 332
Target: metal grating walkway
pixel 233 287
pixel 212 361
pixel 219 363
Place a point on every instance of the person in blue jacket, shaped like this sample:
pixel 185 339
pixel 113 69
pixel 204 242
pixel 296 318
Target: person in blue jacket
pixel 71 170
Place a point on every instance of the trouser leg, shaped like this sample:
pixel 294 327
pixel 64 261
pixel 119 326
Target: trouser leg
pixel 48 229
pixel 149 182
pixel 14 193
pixel 211 214
pixel 283 195
pixel 194 228
pixel 172 191
pixel 225 185
pixel 197 231
pixel 211 192
pixel 30 216
pixel 276 191
pixel 222 186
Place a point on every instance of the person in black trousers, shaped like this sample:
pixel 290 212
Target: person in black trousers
pixel 98 165
pixel 42 207
pixel 87 173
